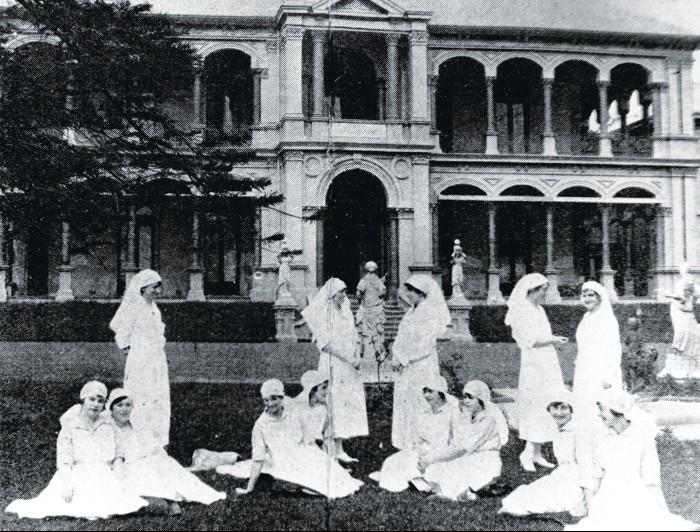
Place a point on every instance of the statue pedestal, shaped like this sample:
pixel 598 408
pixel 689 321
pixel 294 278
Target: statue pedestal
pixel 607 279
pixel 680 367
pixel 460 320
pixel 285 316
pixel 196 291
pixel 65 284
pixel 3 281
pixel 494 295
pixel 553 296
pixel 129 273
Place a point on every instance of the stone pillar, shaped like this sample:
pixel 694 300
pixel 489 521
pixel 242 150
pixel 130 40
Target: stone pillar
pixel 419 76
pixel 607 274
pixel 130 267
pixel 460 321
pixel 285 317
pixel 292 64
pixel 605 143
pixel 494 295
pixel 319 97
pixel 258 74
pixel 381 98
pixel 550 144
pixel 435 226
pixel 394 278
pixel 491 132
pixel 196 291
pixel 405 246
pixel 434 82
pixel 392 76
pixel 553 296
pixel 197 95
pixel 227 124
pixel 422 227
pixel 3 262
pixel 656 89
pixel 65 270
pixel 293 193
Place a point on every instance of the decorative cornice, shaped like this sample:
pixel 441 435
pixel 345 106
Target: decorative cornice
pixel 292 33
pixel 419 37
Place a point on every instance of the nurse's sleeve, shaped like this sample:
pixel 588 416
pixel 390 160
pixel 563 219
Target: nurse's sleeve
pixel 64 448
pixel 527 331
pixel 258 442
pixel 650 467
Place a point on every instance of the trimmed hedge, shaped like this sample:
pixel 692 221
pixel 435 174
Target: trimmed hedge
pixel 88 321
pixel 246 322
pixel 486 322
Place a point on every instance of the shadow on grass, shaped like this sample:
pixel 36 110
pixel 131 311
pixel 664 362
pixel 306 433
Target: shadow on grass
pixel 220 417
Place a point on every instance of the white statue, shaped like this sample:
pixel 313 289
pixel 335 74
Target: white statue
pixel 458 261
pixel 684 361
pixel 284 257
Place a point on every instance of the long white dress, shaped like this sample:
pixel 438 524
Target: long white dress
pixel 146 372
pixel 99 493
pixel 334 329
pixel 562 489
pixel 279 443
pixel 540 374
pixel 150 472
pixel 433 432
pixel 482 439
pixel 628 463
pixel 598 361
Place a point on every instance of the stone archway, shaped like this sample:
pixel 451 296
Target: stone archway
pixel 356 227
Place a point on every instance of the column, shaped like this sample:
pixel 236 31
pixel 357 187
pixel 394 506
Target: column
pixel 3 262
pixel 197 95
pixel 318 75
pixel 292 64
pixel 605 143
pixel 433 81
pixel 65 270
pixel 656 89
pixel 392 76
pixel 257 100
pixel 493 295
pixel 687 104
pixel 320 243
pixel 227 124
pixel 310 238
pixel 491 132
pixel 381 98
pixel 422 229
pixel 405 243
pixel 435 223
pixel 130 267
pixel 393 268
pixel 607 274
pixel 550 144
pixel 664 253
pixel 419 76
pixel 552 273
pixel 196 291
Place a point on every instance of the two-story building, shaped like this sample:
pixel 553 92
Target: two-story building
pixel 553 138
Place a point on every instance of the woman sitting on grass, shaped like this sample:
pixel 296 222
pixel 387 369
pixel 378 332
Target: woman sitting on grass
pixel 279 450
pixel 472 460
pixel 310 407
pixel 89 461
pixel 433 433
pixel 627 474
pixel 148 470
pixel 568 487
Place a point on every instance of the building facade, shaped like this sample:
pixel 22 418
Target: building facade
pixel 565 147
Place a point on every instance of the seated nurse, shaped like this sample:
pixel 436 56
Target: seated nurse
pixel 89 460
pixel 148 470
pixel 568 487
pixel 279 450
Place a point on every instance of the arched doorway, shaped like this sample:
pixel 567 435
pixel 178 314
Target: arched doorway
pixel 356 227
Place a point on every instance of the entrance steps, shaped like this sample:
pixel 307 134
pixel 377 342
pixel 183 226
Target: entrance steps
pixel 393 312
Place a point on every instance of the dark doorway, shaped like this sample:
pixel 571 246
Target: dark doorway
pixel 38 264
pixel 351 78
pixel 356 227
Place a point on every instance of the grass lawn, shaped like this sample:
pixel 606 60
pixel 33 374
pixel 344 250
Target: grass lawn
pixel 220 417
